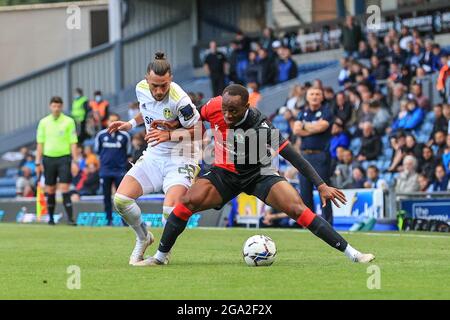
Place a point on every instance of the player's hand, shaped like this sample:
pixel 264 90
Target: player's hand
pixel 119 125
pixel 156 136
pixel 329 193
pixel 166 124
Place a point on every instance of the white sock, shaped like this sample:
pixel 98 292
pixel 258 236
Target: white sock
pixel 351 252
pixel 131 213
pixel 161 256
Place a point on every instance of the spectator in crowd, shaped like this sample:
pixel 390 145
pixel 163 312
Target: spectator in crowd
pixel 358 178
pixel 412 147
pixel 441 120
pixel 25 183
pixel 440 182
pixel 373 180
pixel 252 70
pixel 133 110
pixel 446 154
pixel 351 35
pixel 267 68
pixel 420 76
pixel 282 121
pixel 364 52
pixel 342 108
pixel 287 68
pixel 328 94
pixel 267 39
pixel 139 145
pixel 29 163
pixel 405 37
pixel 379 68
pixel 273 219
pixel 428 56
pixel 398 144
pixel 233 63
pixel 439 143
pixel 296 97
pixel 215 63
pixel 253 94
pixel 398 55
pixel 421 100
pixel 242 48
pixel 24 152
pixel 370 144
pixel 99 109
pixel 343 174
pixel 91 157
pixel 364 115
pixel 425 183
pixel 79 112
pixel 415 59
pixel 91 183
pixel 398 95
pixel 444 72
pixel 114 150
pixel 437 55
pixel 413 118
pixel 381 118
pixel 428 162
pixel 408 179
pixel 340 138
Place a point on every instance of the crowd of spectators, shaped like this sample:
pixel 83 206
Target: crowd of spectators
pixel 255 63
pixel 381 111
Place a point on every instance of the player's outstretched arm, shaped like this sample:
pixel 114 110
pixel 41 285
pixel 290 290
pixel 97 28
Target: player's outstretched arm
pixel 302 165
pixel 125 125
pixel 165 130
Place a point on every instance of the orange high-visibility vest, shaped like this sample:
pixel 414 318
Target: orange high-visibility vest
pixel 99 110
pixel 443 74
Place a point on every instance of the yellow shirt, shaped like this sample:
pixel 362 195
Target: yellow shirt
pixel 57 135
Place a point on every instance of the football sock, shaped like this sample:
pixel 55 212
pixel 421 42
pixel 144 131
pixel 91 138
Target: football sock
pixel 165 214
pixel 131 213
pixel 51 203
pixel 67 202
pixel 175 225
pixel 322 229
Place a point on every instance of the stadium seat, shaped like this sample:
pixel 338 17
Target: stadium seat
pixel 12 172
pixel 429 118
pixel 7 182
pixel 9 192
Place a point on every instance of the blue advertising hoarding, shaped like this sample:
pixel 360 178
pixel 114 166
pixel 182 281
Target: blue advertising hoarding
pixel 436 209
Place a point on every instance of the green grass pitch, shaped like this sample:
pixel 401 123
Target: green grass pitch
pixel 207 264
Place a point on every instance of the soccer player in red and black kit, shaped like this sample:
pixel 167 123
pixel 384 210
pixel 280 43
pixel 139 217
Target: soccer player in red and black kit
pixel 239 167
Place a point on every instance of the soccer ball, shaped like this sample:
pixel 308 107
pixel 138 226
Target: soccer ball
pixel 259 250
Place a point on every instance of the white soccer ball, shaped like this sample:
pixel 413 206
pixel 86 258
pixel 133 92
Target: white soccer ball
pixel 259 250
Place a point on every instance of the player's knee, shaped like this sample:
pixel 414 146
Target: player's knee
pixel 296 210
pixel 191 202
pixel 122 203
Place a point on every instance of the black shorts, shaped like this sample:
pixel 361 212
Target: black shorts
pixel 57 167
pixel 230 184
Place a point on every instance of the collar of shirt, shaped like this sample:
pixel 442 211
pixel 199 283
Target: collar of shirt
pixel 243 119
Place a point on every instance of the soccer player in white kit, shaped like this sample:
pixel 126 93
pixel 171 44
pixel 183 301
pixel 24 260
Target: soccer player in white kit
pixel 158 168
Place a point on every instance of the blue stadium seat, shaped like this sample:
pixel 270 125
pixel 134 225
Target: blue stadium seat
pixel 12 172
pixel 9 192
pixel 365 165
pixel 7 182
pixel 385 141
pixel 388 152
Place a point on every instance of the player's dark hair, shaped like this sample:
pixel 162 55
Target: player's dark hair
pixel 373 167
pixel 237 90
pixel 79 91
pixel 56 99
pixel 160 66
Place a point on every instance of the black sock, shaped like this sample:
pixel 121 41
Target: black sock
pixel 51 203
pixel 67 202
pixel 174 227
pixel 325 231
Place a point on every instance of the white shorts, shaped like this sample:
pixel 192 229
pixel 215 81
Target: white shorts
pixel 156 174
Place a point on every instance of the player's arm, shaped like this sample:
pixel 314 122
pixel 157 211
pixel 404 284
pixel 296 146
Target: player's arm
pixel 304 167
pixel 126 125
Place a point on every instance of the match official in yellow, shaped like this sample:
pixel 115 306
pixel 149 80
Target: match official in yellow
pixel 56 145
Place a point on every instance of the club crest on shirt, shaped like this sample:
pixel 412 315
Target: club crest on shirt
pixel 167 113
pixel 318 114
